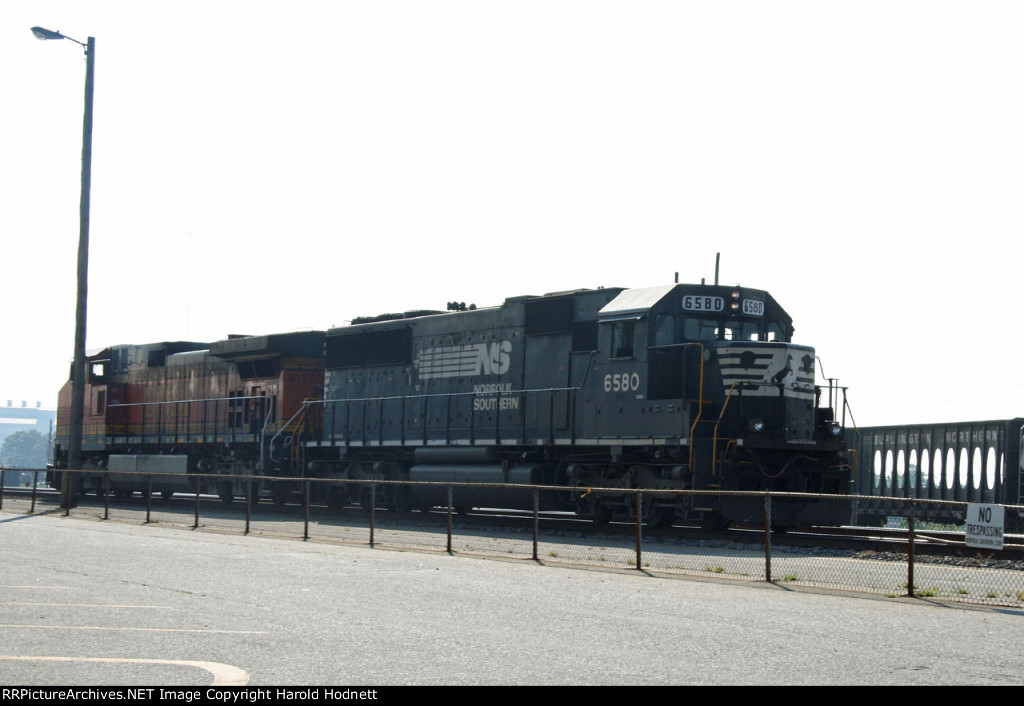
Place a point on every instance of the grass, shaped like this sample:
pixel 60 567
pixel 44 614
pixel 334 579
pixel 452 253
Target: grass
pixel 923 592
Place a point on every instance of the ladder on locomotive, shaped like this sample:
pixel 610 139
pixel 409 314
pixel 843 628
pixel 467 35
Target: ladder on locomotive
pixel 302 422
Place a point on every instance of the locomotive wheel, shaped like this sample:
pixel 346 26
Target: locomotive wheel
pixel 166 494
pixel 402 500
pixel 279 496
pixel 714 522
pixel 337 498
pixel 366 499
pixel 660 517
pixel 122 494
pixel 601 512
pixel 225 493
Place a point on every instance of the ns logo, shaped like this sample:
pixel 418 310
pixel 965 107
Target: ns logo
pixel 465 361
pixel 493 359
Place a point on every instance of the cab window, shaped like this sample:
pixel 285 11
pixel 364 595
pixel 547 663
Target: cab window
pixel 701 330
pixel 622 338
pixel 729 330
pixel 664 330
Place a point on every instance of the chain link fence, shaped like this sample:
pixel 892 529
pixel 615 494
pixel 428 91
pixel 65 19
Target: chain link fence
pixel 628 530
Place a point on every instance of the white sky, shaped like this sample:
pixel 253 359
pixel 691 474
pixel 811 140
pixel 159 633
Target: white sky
pixel 268 167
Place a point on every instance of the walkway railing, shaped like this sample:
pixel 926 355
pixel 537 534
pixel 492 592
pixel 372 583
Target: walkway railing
pixel 921 562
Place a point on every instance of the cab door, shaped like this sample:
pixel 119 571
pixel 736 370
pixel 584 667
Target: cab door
pixel 547 382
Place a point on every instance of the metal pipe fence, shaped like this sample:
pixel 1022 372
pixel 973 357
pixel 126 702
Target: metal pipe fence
pixel 922 562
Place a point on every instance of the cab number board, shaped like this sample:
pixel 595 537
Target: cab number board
pixel 753 307
pixel 694 303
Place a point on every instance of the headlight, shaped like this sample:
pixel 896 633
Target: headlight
pixel 836 429
pixel 756 425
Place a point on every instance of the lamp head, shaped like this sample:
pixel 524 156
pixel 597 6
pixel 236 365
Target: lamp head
pixel 42 33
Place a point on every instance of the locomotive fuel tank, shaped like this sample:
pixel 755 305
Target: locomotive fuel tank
pixel 489 484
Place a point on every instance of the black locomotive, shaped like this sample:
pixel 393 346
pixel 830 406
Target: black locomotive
pixel 671 387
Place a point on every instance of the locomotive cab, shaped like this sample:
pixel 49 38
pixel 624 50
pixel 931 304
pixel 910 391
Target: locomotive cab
pixel 714 370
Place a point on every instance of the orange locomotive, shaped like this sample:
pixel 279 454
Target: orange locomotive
pixel 215 411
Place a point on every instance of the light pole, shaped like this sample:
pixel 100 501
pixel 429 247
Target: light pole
pixel 69 486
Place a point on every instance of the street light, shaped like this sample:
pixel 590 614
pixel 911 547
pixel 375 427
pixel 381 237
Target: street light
pixel 68 491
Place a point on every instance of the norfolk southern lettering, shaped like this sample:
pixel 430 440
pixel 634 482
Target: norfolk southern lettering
pixel 493 401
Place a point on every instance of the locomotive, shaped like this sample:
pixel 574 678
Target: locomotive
pixel 687 387
pixel 675 387
pixel 213 410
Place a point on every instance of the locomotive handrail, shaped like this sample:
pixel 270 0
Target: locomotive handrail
pixel 331 430
pixel 714 435
pixel 192 401
pixel 265 413
pixel 855 461
pixel 386 398
pixel 206 417
pixel 299 426
pixel 700 396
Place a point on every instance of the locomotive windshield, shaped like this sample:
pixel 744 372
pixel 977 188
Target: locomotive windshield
pixel 716 329
pixel 732 330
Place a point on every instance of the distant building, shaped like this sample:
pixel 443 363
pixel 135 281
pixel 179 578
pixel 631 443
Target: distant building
pixel 25 418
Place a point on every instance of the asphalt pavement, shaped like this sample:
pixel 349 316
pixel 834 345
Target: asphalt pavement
pixel 87 602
